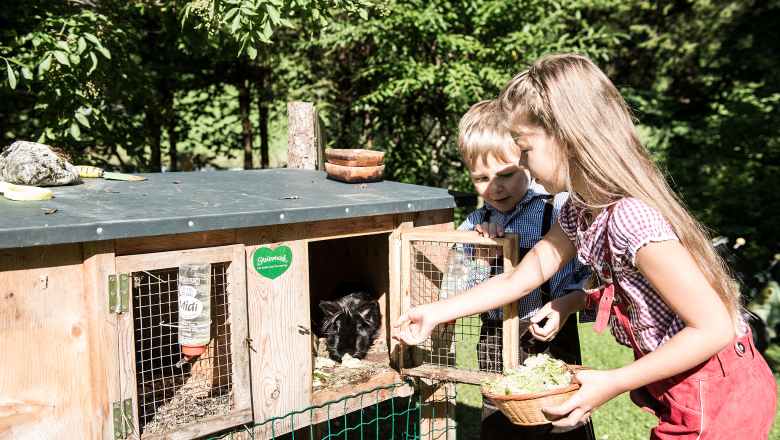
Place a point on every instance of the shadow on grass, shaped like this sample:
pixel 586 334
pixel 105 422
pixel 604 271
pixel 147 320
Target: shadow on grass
pixel 469 412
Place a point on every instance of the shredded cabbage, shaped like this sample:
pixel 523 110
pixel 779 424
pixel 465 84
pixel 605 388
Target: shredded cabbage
pixel 538 374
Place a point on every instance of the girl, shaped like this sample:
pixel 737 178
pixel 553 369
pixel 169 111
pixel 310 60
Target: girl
pixel 664 290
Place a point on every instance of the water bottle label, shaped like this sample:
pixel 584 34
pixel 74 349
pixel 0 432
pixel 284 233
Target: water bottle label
pixel 185 280
pixel 187 291
pixel 189 307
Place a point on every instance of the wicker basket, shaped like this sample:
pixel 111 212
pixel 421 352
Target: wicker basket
pixel 526 409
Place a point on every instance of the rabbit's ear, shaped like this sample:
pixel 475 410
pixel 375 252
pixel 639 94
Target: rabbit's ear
pixel 330 308
pixel 333 311
pixel 365 307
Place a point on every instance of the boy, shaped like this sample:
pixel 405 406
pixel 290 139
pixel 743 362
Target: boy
pixel 514 203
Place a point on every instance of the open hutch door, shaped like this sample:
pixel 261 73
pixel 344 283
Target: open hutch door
pixel 435 265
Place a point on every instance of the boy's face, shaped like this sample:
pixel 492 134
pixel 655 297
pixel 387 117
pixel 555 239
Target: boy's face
pixel 502 184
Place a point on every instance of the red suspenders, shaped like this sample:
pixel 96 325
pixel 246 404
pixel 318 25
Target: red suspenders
pixel 610 298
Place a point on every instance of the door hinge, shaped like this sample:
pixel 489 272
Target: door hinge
pixel 118 293
pixel 122 412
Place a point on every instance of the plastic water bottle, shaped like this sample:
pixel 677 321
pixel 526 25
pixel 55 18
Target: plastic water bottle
pixel 456 273
pixel 194 308
pixel 455 279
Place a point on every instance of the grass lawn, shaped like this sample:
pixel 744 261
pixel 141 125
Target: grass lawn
pixel 617 419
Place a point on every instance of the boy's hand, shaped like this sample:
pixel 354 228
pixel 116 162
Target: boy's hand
pixel 490 230
pixel 556 312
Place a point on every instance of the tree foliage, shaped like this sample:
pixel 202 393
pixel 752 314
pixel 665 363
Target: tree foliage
pixel 70 69
pixel 703 77
pixel 252 22
pixel 401 81
pixel 141 82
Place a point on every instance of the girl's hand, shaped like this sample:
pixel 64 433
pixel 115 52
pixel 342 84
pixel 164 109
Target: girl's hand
pixel 490 230
pixel 596 388
pixel 422 321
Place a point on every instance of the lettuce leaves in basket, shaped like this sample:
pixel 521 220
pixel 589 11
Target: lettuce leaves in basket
pixel 538 374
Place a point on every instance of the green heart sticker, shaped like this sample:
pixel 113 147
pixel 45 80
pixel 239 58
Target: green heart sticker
pixel 272 263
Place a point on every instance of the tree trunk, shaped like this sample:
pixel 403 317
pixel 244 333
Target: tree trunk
pixel 263 95
pixel 155 132
pixel 170 120
pixel 246 124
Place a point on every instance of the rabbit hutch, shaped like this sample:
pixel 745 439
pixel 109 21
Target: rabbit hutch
pixel 89 299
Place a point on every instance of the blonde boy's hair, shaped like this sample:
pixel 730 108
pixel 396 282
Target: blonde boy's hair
pixel 483 131
pixel 574 102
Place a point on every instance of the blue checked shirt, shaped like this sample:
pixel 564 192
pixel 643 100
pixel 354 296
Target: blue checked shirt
pixel 526 219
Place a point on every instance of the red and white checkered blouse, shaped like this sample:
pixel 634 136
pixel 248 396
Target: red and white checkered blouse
pixel 631 225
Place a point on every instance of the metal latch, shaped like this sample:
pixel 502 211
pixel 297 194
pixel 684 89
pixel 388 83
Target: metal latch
pixel 123 418
pixel 118 293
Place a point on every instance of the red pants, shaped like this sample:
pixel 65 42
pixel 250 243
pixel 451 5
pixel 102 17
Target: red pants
pixel 731 396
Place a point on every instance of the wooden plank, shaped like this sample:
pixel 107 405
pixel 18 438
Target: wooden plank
pixel 239 330
pixel 189 431
pixel 301 148
pixel 45 388
pixel 362 397
pixel 172 242
pixel 397 350
pixel 406 295
pixel 329 229
pixel 511 321
pixel 164 260
pixel 102 336
pixel 281 363
pixel 128 387
pixel 435 373
pixel 442 219
pixel 437 418
pixel 472 237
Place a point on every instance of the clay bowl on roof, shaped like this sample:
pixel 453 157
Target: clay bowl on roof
pixel 355 158
pixel 354 174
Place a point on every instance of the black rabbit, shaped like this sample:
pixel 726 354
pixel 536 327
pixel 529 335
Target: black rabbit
pixel 352 321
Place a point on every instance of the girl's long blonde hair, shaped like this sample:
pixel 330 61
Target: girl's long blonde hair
pixel 575 103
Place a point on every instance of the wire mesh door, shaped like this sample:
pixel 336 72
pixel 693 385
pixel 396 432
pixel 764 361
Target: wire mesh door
pixel 170 392
pixel 438 265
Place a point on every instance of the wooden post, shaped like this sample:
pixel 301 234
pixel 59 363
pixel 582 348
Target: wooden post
pixel 301 139
pixel 102 336
pixel 438 411
pixel 320 140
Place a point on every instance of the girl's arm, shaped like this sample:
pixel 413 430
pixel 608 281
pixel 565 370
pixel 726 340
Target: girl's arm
pixel 708 329
pixel 541 263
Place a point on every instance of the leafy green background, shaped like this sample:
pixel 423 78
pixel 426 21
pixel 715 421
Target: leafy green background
pixel 145 86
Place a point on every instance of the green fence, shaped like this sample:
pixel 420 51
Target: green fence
pixel 402 418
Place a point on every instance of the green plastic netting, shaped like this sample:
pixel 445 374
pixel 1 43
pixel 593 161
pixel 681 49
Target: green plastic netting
pixel 399 418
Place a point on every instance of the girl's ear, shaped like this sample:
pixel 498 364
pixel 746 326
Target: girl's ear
pixel 570 151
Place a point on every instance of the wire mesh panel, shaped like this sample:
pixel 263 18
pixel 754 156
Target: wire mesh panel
pixel 171 395
pixel 406 417
pixel 442 265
